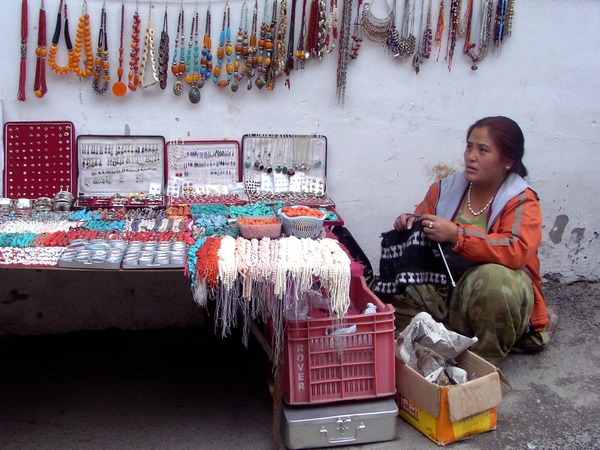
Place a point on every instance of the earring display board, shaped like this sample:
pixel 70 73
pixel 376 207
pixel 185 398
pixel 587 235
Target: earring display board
pixel 120 171
pixel 203 172
pixel 39 159
pixel 286 168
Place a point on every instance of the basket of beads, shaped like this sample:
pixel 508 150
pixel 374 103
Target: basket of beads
pixel 302 221
pixel 258 227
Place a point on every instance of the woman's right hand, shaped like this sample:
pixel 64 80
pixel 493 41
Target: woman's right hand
pixel 404 222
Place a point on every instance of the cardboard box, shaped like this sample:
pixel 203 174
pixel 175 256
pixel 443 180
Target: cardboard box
pixel 450 413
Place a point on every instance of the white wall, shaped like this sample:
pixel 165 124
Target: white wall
pixel 397 129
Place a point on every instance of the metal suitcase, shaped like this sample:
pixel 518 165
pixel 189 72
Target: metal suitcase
pixel 336 424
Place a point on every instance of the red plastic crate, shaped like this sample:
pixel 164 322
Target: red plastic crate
pixel 320 367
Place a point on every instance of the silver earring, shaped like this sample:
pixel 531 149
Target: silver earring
pixel 507 167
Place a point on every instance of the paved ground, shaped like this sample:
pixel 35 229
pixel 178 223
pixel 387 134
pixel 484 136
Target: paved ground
pixel 188 389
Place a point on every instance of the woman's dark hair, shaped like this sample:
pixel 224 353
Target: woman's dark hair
pixel 508 137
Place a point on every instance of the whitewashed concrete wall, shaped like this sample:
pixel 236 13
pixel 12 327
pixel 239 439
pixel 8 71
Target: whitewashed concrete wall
pixel 397 130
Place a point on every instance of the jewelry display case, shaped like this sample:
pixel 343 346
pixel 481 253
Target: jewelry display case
pixel 127 171
pixel 203 171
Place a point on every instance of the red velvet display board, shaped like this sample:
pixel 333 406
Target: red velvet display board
pixel 39 159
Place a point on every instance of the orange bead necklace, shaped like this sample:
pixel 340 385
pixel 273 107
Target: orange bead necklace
pixel 120 88
pixel 54 47
pixel 133 77
pixel 83 42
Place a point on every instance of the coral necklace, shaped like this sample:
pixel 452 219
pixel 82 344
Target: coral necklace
pixel 469 202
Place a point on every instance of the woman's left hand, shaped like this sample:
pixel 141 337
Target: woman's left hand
pixel 439 229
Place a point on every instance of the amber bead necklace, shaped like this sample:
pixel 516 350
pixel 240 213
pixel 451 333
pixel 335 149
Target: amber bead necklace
pixel 178 66
pixel 101 79
pixel 262 43
pixel 83 44
pixel 54 46
pixel 134 55
pixel 302 55
pixel 120 88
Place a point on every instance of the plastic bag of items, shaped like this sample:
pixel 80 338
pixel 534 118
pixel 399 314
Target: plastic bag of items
pixel 429 348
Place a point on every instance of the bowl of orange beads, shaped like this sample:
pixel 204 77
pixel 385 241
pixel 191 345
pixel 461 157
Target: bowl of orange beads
pixel 258 227
pixel 302 221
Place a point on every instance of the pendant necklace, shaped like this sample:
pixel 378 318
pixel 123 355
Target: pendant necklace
pixel 331 26
pixel 278 64
pixel 83 44
pixel 21 96
pixel 418 58
pixel 478 52
pixel 101 66
pixel 289 62
pixel 206 66
pixel 39 85
pixel 223 50
pixel 260 61
pixel 119 88
pixel 357 32
pixel 241 49
pixel 344 52
pixel 133 77
pixel 251 59
pixel 269 61
pixel 301 54
pixel 178 66
pixel 148 53
pixel 163 53
pixel 192 67
pixel 469 203
pixel 54 46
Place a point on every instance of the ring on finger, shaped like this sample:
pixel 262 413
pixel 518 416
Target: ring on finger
pixel 430 224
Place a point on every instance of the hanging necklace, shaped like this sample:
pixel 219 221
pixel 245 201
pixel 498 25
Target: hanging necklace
pixel 509 17
pixel 39 86
pixel 83 44
pixel 251 59
pixel 54 47
pixel 148 53
pixel 453 26
pixel 269 47
pixel 331 26
pixel 101 66
pixel 260 61
pixel 278 64
pixel 469 203
pixel 206 60
pixel 313 29
pixel 21 96
pixel 178 66
pixel 301 54
pixel 224 49
pixel 241 49
pixel 344 52
pixel 477 52
pixel 289 62
pixel 163 53
pixel 192 72
pixel 408 41
pixel 439 32
pixel 418 58
pixel 377 29
pixel 120 88
pixel 357 34
pixel 134 61
pixel 427 34
pixel 500 24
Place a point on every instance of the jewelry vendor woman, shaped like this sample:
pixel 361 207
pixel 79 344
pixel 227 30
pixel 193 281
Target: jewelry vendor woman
pixel 492 218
